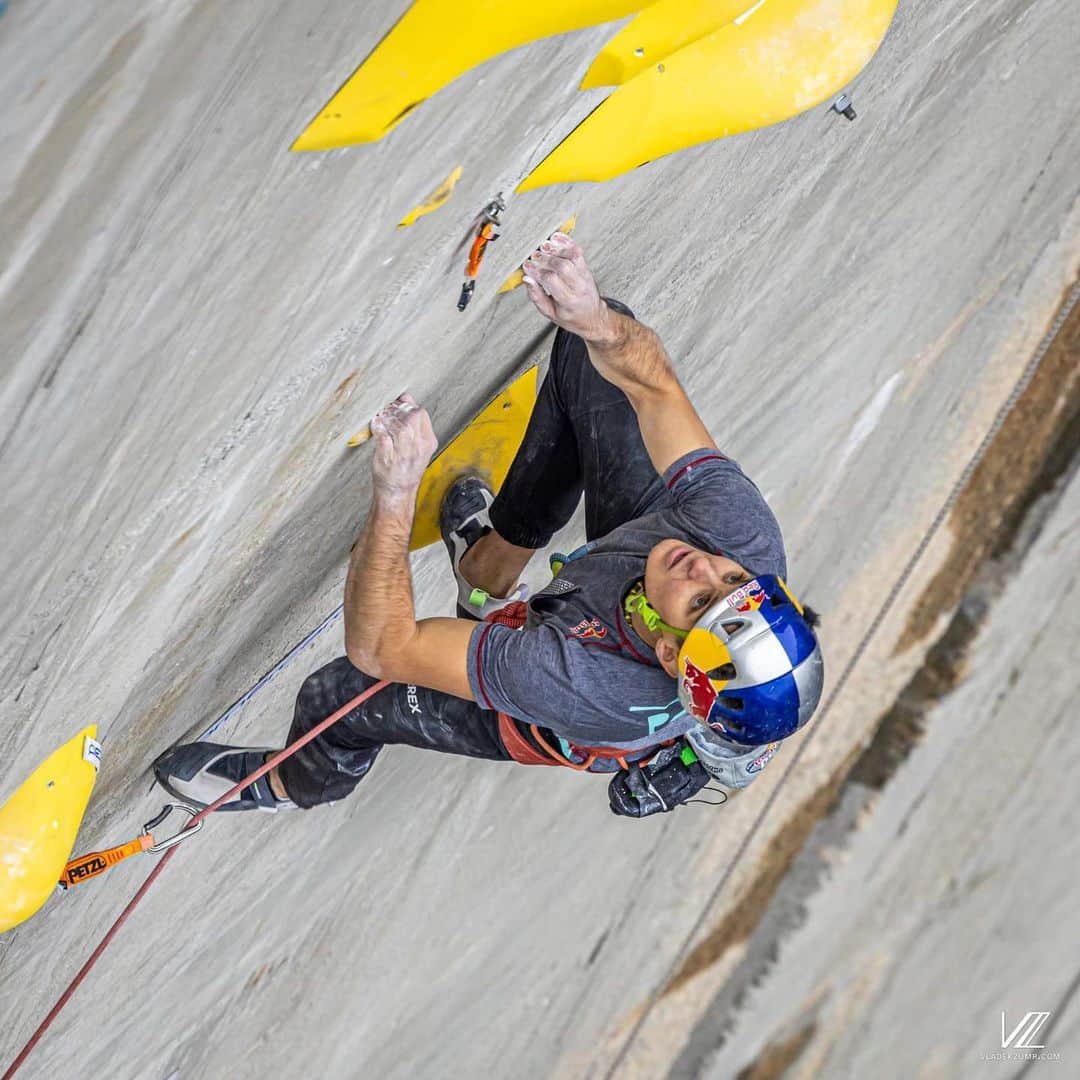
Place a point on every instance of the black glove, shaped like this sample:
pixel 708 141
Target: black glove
pixel 666 782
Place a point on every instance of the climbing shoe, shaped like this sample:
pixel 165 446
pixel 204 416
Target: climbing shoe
pixel 464 519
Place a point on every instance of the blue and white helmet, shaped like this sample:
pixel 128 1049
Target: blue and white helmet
pixel 751 667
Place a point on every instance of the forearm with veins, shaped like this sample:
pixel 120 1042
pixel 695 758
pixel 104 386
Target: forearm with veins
pixel 379 613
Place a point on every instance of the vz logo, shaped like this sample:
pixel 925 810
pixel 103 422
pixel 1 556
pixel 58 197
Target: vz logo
pixel 1024 1032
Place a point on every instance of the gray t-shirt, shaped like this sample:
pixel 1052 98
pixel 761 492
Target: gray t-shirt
pixel 578 667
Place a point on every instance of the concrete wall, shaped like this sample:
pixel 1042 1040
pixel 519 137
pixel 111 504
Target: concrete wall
pixel 192 321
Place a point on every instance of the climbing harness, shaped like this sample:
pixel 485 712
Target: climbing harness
pixel 538 751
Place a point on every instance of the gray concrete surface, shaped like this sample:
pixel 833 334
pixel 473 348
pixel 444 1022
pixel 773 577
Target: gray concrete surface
pixel 191 323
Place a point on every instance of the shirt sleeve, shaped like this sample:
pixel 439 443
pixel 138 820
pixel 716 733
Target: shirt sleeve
pixel 724 511
pixel 537 675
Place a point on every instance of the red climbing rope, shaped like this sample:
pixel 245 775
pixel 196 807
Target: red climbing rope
pixel 153 875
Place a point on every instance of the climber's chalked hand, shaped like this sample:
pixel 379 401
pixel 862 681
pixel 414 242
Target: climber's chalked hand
pixel 404 444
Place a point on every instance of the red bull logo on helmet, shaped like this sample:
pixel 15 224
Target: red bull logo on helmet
pixel 747 598
pixel 698 690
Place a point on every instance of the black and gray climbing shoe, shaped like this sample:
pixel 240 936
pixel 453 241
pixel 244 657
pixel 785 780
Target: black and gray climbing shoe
pixel 199 773
pixel 463 519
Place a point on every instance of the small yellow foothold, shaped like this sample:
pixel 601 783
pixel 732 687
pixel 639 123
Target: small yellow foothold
pixel 513 281
pixel 433 201
pixel 360 438
pixel 518 276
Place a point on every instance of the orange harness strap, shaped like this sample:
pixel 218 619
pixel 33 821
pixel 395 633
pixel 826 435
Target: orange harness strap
pixel 519 748
pixel 524 753
pixel 560 759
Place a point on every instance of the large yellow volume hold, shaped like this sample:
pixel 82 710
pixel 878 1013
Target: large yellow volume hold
pixel 661 29
pixel 39 823
pixel 487 446
pixel 433 43
pixel 784 57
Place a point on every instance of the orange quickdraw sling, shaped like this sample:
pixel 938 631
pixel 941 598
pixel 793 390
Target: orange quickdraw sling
pixel 84 867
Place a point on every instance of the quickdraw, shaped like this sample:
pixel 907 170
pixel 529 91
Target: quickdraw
pixel 486 226
pixel 84 867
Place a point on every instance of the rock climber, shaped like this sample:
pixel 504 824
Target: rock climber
pixel 666 652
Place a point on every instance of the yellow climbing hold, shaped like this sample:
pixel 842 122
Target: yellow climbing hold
pixel 433 201
pixel 784 57
pixel 658 31
pixel 487 445
pixel 433 43
pixel 39 823
pixel 518 276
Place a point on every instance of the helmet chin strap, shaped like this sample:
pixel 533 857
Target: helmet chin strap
pixel 636 601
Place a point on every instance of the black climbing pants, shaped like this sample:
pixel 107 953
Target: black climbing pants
pixel 582 438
